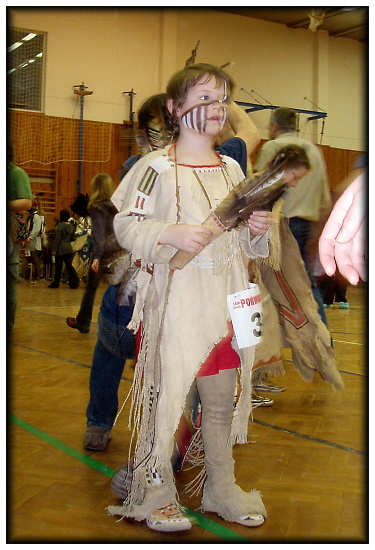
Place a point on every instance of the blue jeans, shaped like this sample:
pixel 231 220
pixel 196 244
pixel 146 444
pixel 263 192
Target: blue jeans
pixel 301 230
pixel 115 344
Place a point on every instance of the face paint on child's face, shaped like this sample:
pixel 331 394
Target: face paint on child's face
pixel 197 118
pixel 208 112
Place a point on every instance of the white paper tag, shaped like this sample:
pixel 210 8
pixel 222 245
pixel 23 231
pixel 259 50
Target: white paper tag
pixel 245 309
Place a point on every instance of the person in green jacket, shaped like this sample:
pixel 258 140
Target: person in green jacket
pixel 19 200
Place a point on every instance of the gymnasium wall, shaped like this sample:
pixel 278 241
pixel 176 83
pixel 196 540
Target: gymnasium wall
pixel 111 50
pixel 116 49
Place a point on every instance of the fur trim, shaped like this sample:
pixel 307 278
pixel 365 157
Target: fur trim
pixel 262 373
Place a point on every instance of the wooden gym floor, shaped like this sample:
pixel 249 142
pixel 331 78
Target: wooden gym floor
pixel 307 456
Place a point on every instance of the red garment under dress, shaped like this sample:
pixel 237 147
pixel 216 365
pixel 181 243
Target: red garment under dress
pixel 222 357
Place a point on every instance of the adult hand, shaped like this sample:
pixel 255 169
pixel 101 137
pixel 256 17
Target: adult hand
pixel 95 265
pixel 190 238
pixel 259 222
pixel 342 241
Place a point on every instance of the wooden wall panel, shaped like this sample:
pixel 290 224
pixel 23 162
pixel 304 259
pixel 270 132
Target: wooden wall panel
pixel 34 136
pixel 31 133
pixel 339 163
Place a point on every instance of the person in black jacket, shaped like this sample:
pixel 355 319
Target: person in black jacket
pixel 63 251
pixel 101 211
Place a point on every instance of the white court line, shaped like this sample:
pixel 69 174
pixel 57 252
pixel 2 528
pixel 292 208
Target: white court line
pixel 346 342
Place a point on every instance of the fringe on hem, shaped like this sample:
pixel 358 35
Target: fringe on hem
pixel 261 374
pixel 315 356
pixel 194 454
pixel 155 498
pixel 195 486
pixel 240 422
pixel 143 280
pixel 273 260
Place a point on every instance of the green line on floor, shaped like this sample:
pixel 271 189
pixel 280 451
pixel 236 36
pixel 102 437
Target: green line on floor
pixel 95 464
pixel 198 518
pixel 216 528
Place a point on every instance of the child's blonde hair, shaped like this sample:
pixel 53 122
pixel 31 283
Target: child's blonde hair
pixel 101 189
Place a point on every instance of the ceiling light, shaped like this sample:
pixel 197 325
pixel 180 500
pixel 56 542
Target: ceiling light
pixel 24 65
pixel 40 54
pixel 31 60
pixel 28 37
pixel 14 46
pixel 11 70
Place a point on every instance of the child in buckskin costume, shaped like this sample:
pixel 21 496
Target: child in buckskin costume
pixel 160 387
pixel 187 333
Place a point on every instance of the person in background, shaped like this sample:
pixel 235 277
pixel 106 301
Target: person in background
pixel 80 217
pixel 47 257
pixel 101 212
pixel 82 236
pixel 63 251
pixel 115 344
pixel 153 131
pixel 310 200
pixel 33 247
pixel 19 200
pixel 333 290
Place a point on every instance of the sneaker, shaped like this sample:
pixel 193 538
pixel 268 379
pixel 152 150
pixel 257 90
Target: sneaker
pixel 271 388
pixel 121 482
pixel 259 401
pixel 53 285
pixel 343 305
pixel 72 323
pixel 96 438
pixel 168 519
pixel 326 306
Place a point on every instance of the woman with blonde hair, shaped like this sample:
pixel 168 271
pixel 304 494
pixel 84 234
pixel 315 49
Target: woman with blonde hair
pixel 101 211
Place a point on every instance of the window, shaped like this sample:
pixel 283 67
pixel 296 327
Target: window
pixel 25 68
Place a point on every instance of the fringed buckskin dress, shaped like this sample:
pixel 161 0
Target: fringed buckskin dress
pixel 184 313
